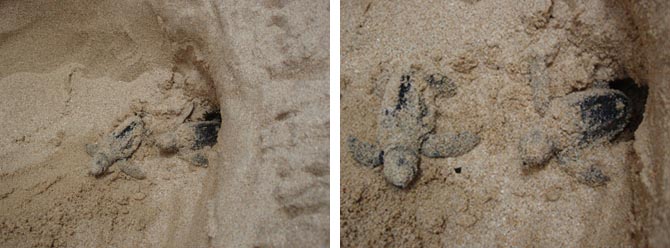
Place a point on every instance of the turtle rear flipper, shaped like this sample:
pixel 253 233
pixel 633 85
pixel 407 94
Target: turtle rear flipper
pixel 365 153
pixel 449 144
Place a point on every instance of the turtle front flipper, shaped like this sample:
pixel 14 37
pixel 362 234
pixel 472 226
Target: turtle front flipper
pixel 131 170
pixel 576 163
pixel 365 153
pixel 449 144
pixel 442 85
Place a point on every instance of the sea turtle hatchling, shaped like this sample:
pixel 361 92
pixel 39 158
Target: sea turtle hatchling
pixel 406 129
pixel 188 139
pixel 119 145
pixel 573 124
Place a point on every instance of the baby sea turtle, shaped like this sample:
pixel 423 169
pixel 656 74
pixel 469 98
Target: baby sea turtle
pixel 188 139
pixel 573 123
pixel 406 129
pixel 118 146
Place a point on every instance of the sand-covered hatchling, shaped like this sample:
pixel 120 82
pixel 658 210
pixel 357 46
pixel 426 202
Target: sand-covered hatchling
pixel 119 145
pixel 189 138
pixel 406 129
pixel 573 123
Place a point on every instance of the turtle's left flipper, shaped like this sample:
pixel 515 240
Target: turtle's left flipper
pixel 365 153
pixel 449 144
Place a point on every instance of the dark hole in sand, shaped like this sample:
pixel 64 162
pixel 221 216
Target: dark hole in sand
pixel 638 100
pixel 207 131
pixel 213 115
pixel 457 170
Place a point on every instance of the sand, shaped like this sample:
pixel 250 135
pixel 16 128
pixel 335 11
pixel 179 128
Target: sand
pixel 72 71
pixel 491 50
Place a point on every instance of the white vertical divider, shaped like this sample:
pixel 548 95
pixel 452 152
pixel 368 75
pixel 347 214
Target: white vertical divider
pixel 334 123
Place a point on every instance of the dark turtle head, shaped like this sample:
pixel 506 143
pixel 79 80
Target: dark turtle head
pixel 604 114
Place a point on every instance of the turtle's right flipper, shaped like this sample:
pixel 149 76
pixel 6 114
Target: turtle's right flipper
pixel 365 153
pixel 131 170
pixel 449 144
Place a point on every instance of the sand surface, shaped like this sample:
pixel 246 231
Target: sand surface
pixel 490 49
pixel 72 71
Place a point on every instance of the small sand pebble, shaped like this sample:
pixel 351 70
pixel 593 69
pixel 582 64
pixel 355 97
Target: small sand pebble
pixel 123 200
pixel 139 196
pixel 553 194
pixel 466 220
pixel 430 219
